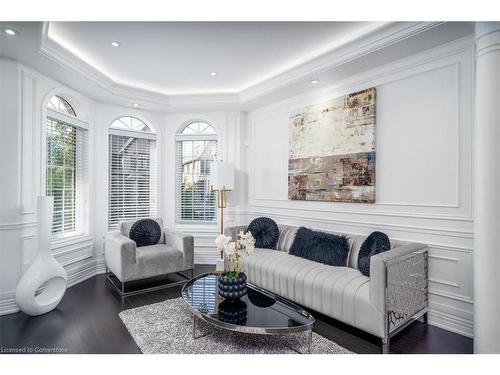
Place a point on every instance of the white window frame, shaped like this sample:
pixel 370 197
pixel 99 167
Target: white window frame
pixel 82 207
pixel 179 137
pixel 151 135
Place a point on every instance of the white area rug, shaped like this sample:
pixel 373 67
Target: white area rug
pixel 166 328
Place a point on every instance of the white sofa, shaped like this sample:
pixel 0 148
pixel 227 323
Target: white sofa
pixel 382 304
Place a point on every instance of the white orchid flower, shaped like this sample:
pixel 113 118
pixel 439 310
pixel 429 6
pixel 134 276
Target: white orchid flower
pixel 222 241
pixel 230 249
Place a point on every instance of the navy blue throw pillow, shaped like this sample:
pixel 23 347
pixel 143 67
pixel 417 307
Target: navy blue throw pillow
pixel 145 232
pixel 375 243
pixel 265 231
pixel 321 247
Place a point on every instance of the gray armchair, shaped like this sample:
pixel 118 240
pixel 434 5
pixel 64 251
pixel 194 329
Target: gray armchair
pixel 174 253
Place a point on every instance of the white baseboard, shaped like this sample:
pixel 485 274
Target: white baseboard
pixel 8 303
pixel 100 266
pixel 76 275
pixel 452 323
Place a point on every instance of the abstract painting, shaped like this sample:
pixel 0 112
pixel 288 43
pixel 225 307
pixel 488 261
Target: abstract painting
pixel 332 150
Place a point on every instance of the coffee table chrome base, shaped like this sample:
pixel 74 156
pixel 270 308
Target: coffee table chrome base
pixel 194 330
pixel 309 344
pixel 309 338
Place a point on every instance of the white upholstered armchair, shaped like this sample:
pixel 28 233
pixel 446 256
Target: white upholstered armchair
pixel 125 262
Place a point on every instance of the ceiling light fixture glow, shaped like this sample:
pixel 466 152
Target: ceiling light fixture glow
pixel 135 104
pixel 116 44
pixel 213 74
pixel 10 32
pixel 315 81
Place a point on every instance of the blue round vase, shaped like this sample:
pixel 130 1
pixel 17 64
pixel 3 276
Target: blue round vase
pixel 232 288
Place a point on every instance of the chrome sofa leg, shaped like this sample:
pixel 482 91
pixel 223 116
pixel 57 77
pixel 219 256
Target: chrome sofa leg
pixel 385 345
pixel 123 292
pixel 426 317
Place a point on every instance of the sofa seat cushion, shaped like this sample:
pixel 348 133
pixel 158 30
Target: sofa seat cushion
pixel 156 260
pixel 339 292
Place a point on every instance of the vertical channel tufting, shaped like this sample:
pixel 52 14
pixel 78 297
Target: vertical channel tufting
pixel 348 298
pixel 300 290
pixel 342 293
pixel 282 271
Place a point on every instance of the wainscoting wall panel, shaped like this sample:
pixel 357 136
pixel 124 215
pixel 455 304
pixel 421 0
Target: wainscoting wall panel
pixel 424 169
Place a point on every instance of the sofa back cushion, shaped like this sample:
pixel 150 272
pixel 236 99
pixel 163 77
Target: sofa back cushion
pixel 320 247
pixel 375 243
pixel 126 225
pixel 265 231
pixel 287 235
pixel 145 232
pixel 288 232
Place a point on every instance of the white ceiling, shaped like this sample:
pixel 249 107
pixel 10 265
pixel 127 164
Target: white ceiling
pixel 256 62
pixel 176 58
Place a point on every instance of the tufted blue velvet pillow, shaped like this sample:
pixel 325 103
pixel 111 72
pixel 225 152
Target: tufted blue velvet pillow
pixel 321 247
pixel 145 232
pixel 265 231
pixel 375 243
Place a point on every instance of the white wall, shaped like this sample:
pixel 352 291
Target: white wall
pixel 423 169
pixel 23 120
pixel 23 99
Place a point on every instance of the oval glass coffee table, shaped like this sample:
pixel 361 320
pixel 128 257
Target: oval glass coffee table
pixel 259 312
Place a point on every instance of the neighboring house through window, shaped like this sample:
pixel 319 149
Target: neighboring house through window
pixel 196 150
pixel 132 171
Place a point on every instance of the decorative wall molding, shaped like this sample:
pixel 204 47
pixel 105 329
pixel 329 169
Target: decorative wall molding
pixel 28 145
pixel 457 54
pixel 18 225
pixel 444 224
pixel 272 203
pixel 365 224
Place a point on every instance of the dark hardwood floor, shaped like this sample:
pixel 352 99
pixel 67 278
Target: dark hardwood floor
pixel 86 321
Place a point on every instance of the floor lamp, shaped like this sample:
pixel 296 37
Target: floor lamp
pixel 222 180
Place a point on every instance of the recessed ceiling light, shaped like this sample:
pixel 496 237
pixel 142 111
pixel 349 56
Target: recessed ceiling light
pixel 135 104
pixel 116 44
pixel 213 74
pixel 10 32
pixel 315 81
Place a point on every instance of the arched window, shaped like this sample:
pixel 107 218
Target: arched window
pixel 196 150
pixel 132 171
pixel 67 167
pixel 59 104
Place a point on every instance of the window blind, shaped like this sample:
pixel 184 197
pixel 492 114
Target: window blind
pixel 195 202
pixel 132 179
pixel 67 175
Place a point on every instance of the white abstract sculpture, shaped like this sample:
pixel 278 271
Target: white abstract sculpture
pixel 43 271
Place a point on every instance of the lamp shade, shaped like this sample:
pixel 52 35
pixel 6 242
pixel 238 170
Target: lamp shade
pixel 222 176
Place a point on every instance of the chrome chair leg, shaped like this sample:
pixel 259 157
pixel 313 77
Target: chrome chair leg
pixel 385 344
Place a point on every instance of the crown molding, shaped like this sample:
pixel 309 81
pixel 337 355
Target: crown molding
pixel 386 35
pixel 383 37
